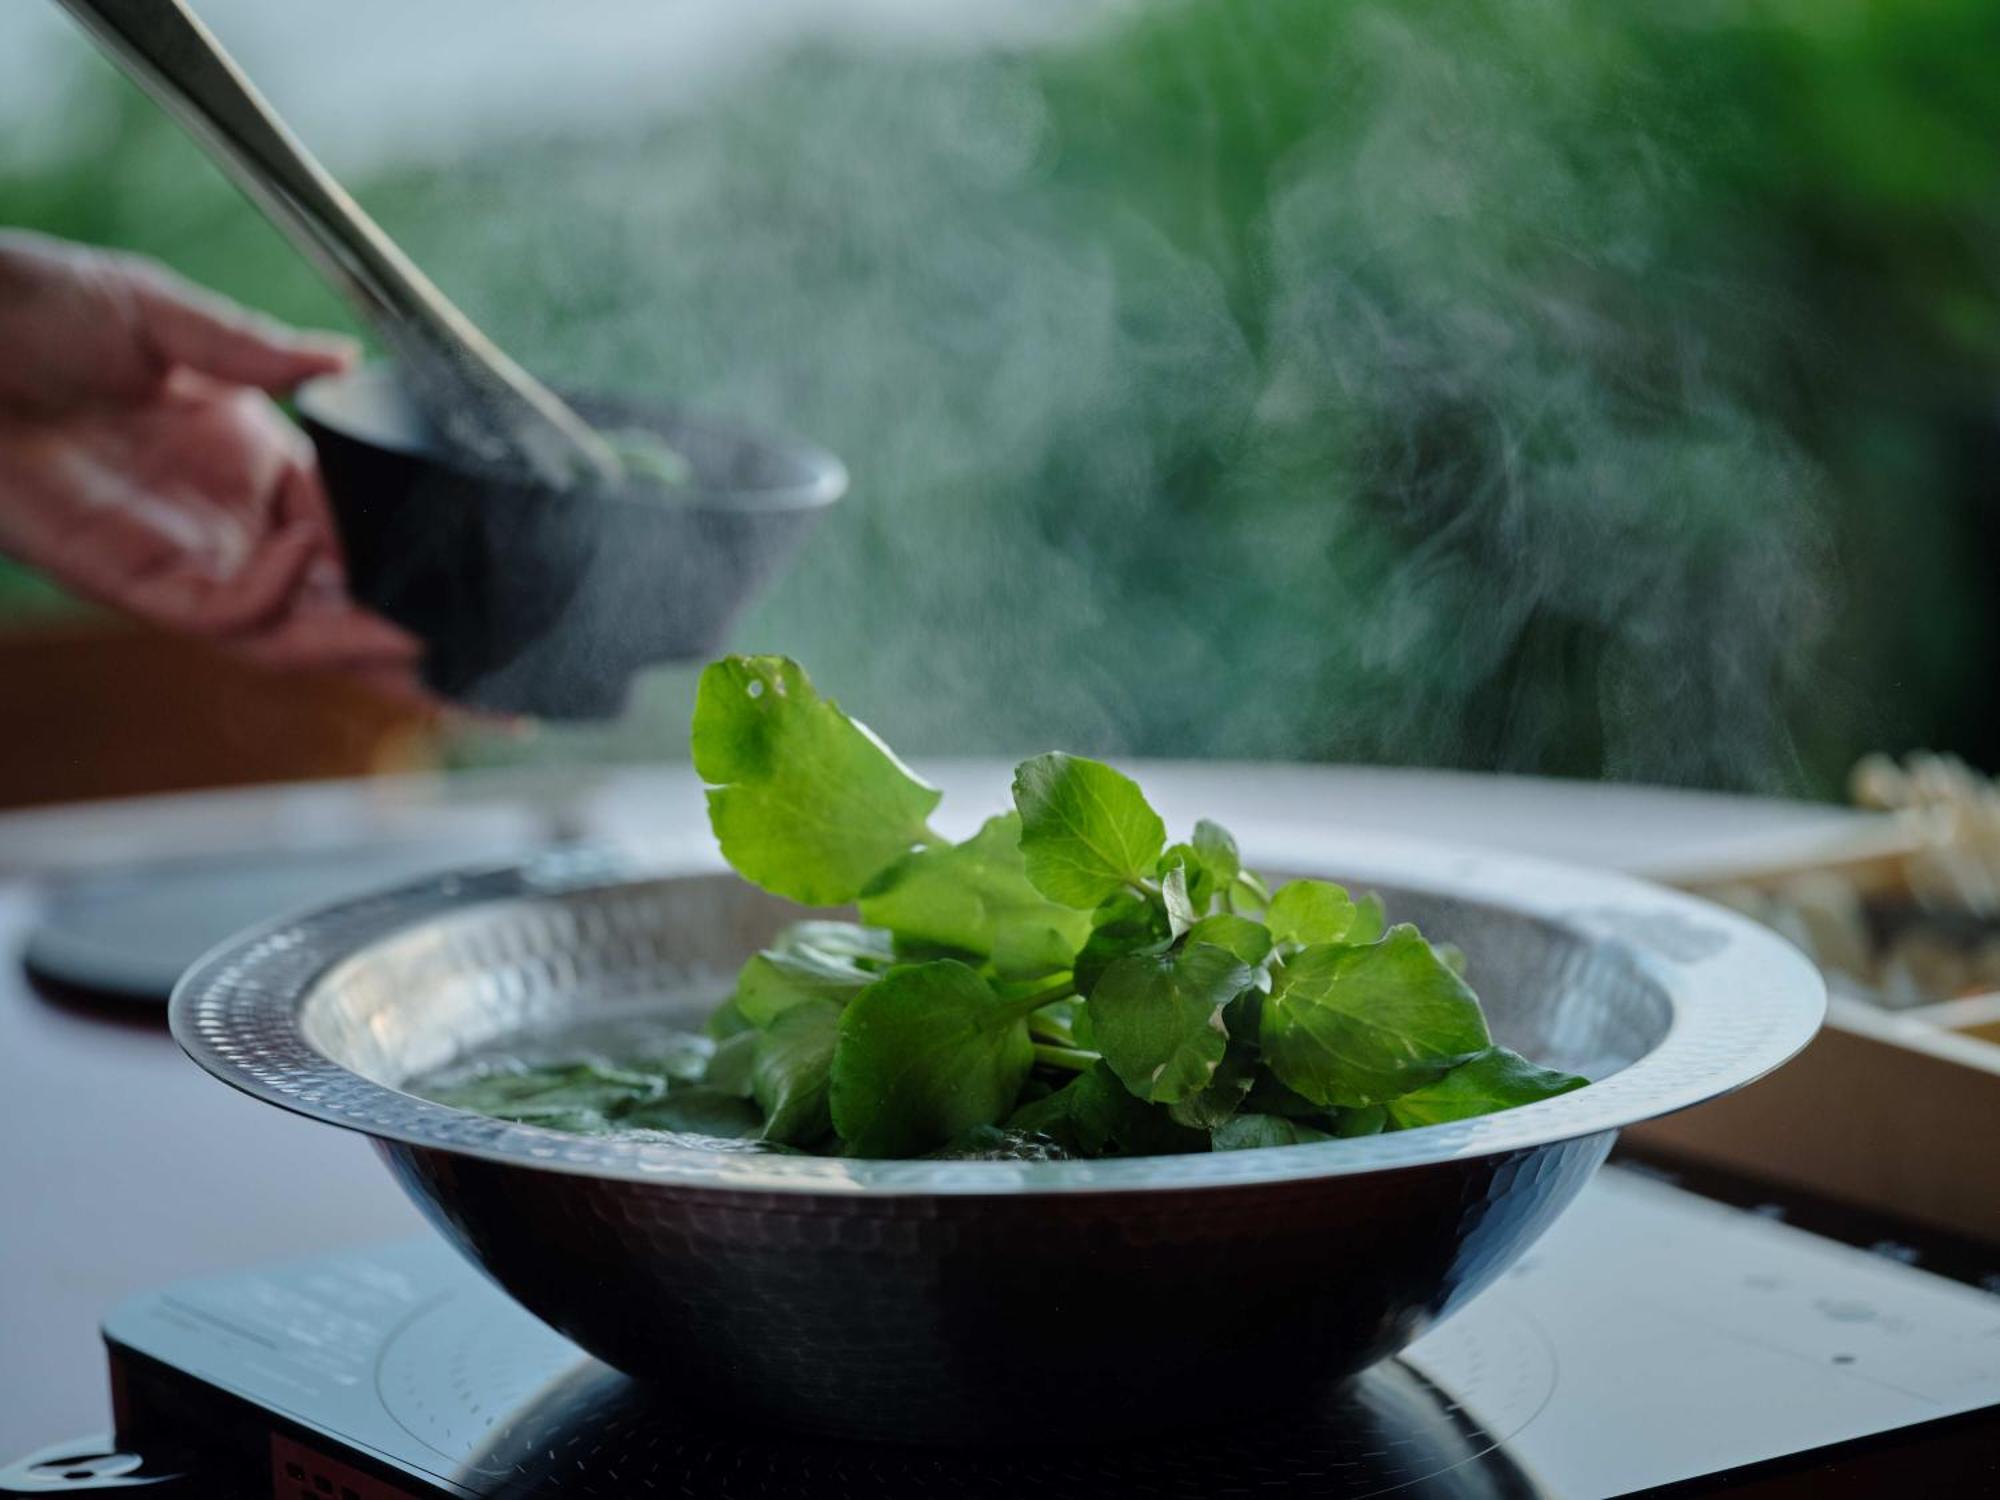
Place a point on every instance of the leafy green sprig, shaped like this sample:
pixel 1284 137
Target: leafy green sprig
pixel 1065 980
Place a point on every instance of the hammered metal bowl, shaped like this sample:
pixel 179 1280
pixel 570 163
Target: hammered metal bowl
pixel 968 1301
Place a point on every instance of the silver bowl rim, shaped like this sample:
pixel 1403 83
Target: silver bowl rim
pixel 1742 1001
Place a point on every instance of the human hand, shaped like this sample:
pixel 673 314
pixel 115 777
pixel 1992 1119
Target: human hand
pixel 143 464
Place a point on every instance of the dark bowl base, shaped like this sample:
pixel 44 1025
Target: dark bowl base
pixel 1143 1311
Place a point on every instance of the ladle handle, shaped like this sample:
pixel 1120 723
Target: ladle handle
pixel 481 401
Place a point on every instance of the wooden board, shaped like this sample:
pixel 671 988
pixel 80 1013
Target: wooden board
pixel 1898 1111
pixel 99 708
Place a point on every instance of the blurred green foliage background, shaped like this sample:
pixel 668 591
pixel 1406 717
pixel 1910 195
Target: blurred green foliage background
pixel 1594 389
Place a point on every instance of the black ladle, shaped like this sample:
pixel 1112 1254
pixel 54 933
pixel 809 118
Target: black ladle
pixel 477 508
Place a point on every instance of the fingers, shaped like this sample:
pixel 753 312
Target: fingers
pixel 342 636
pixel 314 623
pixel 80 326
pixel 261 591
pixel 336 635
pixel 181 324
pixel 199 510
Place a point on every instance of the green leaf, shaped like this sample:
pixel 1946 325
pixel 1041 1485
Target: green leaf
pixel 847 943
pixel 1267 1096
pixel 1127 923
pixel 1087 831
pixel 1309 911
pixel 1496 1079
pixel 1218 854
pixel 1194 874
pixel 726 1021
pixel 729 1066
pixel 1247 896
pixel 1362 1025
pixel 1094 1115
pixel 1157 1018
pixel 1181 914
pixel 1223 1096
pixel 570 1119
pixel 1371 920
pixel 1211 862
pixel 811 961
pixel 682 1057
pixel 789 1075
pixel 924 1054
pixel 1248 1132
pixel 506 1091
pixel 975 898
pixel 805 801
pixel 1025 951
pixel 1370 1119
pixel 700 1111
pixel 1248 940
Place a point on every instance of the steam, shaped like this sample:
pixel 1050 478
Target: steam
pixel 1568 534
pixel 1264 379
pixel 1411 462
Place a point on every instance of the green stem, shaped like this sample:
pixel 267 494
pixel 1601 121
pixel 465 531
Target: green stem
pixel 1028 1004
pixel 1049 1030
pixel 1075 1059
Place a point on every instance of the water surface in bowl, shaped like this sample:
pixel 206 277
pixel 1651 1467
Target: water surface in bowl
pixel 644 1076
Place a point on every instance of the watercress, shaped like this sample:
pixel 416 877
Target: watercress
pixel 1065 982
pixel 804 801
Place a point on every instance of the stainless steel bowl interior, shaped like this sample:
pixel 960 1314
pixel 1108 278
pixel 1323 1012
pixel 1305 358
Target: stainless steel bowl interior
pixel 500 970
pixel 1661 999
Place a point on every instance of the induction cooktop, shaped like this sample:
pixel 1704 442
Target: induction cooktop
pixel 1657 1341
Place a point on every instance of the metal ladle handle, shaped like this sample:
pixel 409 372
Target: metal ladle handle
pixel 480 400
